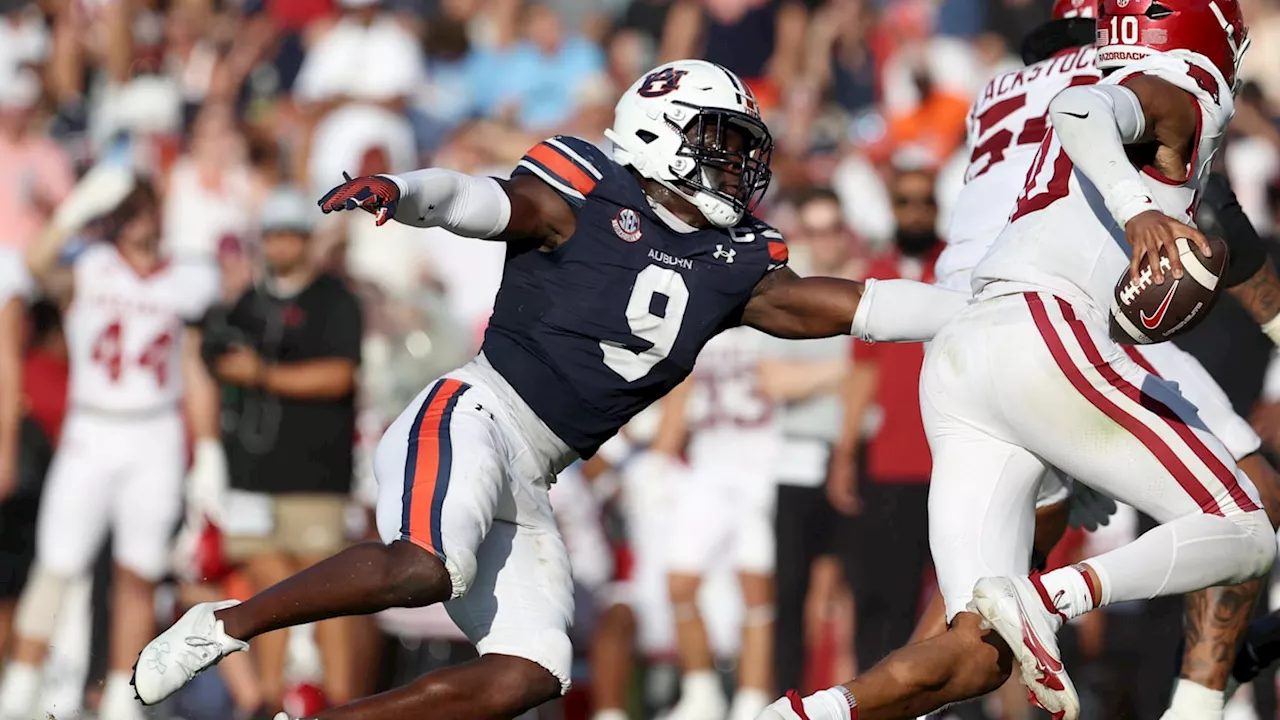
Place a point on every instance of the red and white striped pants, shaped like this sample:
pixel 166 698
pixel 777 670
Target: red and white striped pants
pixel 1019 383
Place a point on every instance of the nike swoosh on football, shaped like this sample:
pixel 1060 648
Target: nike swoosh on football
pixel 1152 322
pixel 1082 116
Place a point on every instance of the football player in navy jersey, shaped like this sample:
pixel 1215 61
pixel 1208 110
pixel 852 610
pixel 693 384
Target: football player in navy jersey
pixel 618 270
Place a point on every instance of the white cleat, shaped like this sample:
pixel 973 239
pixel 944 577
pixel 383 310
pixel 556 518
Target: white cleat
pixel 699 708
pixel 790 707
pixel 1013 608
pixel 118 701
pixel 193 644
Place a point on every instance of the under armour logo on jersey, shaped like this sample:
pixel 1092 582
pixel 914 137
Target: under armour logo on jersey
pixel 726 254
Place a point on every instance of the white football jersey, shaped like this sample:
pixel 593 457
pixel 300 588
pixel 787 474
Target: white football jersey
pixel 15 282
pixel 1062 239
pixel 1006 126
pixel 125 331
pixel 729 417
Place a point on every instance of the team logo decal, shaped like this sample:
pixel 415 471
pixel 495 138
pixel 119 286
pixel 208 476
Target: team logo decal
pixel 627 224
pixel 657 84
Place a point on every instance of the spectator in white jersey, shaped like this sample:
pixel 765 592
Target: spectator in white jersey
pixel 286 355
pixel 133 370
pixel 803 378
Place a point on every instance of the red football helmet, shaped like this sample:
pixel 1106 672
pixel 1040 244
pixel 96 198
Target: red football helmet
pixel 1063 9
pixel 1129 30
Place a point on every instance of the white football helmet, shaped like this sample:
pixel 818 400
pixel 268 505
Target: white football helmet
pixel 672 126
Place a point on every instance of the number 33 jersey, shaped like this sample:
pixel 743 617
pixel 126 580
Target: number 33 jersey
pixel 594 331
pixel 1062 239
pixel 125 331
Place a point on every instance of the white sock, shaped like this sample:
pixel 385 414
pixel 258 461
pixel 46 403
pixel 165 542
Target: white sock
pixel 117 693
pixel 1068 591
pixel 20 689
pixel 700 685
pixel 830 704
pixel 610 714
pixel 748 703
pixel 1192 701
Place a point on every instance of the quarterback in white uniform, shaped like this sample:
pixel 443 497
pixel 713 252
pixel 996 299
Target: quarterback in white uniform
pixel 1006 126
pixel 1031 363
pixel 120 462
pixel 723 511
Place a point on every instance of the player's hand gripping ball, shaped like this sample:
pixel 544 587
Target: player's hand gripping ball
pixel 1144 311
pixel 377 194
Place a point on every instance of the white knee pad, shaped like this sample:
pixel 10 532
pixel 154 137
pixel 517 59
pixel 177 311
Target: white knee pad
pixel 37 614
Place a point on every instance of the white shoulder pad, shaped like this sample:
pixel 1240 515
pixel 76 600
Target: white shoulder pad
pixel 1191 72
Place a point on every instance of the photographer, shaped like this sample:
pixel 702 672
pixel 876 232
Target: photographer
pixel 286 355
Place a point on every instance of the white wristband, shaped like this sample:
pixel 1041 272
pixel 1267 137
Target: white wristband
pixel 1272 329
pixel 1128 199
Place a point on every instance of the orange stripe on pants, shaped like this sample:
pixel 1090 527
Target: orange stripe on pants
pixel 427 469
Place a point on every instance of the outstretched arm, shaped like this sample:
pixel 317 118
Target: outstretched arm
pixel 789 306
pixel 523 208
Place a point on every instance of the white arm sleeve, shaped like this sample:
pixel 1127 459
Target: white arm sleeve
pixel 1094 123
pixel 475 207
pixel 904 311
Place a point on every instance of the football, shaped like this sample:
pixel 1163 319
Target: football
pixel 1143 312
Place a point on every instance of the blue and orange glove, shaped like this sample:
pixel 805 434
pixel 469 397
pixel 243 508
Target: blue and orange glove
pixel 375 193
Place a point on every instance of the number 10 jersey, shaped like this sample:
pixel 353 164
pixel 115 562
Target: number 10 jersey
pixel 1062 239
pixel 592 332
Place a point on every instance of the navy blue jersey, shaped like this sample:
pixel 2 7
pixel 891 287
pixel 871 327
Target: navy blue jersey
pixel 591 333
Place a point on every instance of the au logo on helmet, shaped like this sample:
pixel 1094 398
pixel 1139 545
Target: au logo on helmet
pixel 661 82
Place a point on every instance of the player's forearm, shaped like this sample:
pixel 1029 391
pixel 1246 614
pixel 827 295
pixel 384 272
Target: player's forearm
pixel 1260 297
pixel 42 255
pixel 791 380
pixel 673 428
pixel 1094 123
pixel 904 311
pixel 328 379
pixel 1220 214
pixel 475 207
pixel 202 402
pixel 10 378
pixel 858 391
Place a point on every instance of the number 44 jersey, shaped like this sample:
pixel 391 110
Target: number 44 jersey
pixel 125 331
pixel 594 331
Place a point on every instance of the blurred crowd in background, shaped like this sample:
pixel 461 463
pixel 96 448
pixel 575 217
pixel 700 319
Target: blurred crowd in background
pixel 224 103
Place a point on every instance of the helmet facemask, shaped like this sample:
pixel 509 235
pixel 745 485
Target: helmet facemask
pixel 725 155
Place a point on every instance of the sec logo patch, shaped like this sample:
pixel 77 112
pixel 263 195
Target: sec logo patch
pixel 627 224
